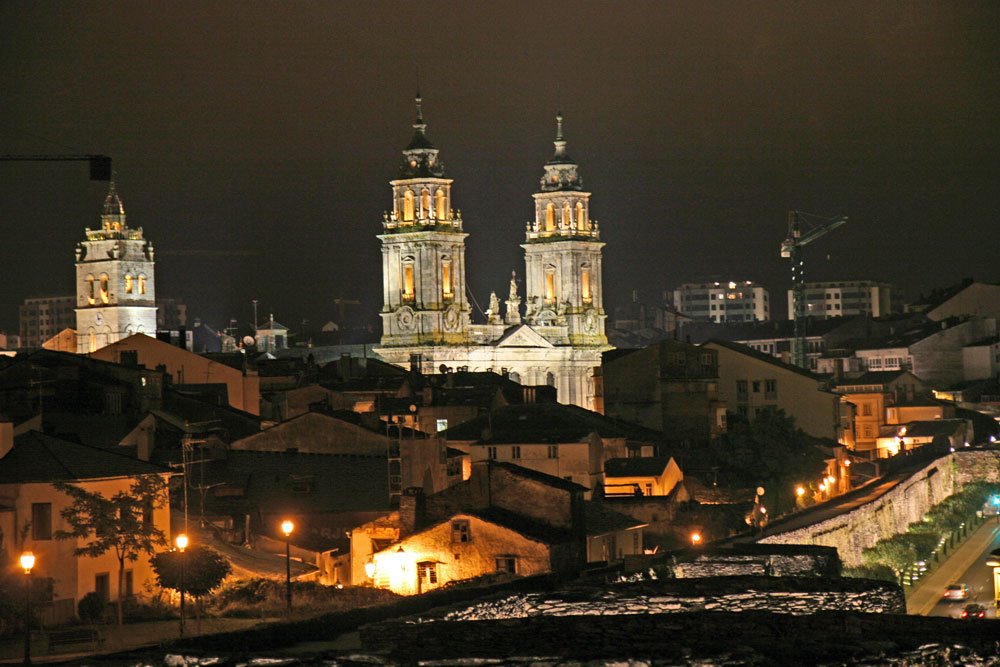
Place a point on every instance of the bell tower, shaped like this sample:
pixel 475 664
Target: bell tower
pixel 562 254
pixel 115 289
pixel 423 253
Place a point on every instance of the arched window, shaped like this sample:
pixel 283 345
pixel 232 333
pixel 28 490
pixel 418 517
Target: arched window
pixel 425 204
pixel 442 213
pixel 91 341
pixel 566 217
pixel 550 379
pixel 105 295
pixel 581 217
pixel 585 283
pixel 514 376
pixel 550 217
pixel 408 206
pixel 408 292
pixel 128 283
pixel 142 283
pixel 91 294
pixel 446 289
pixel 550 284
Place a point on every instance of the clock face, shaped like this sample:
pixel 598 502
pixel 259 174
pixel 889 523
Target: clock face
pixel 99 318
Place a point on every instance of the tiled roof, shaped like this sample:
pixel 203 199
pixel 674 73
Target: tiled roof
pixel 37 457
pixel 645 466
pixel 545 422
pixel 551 480
pixel 601 519
pixel 760 356
pixel 935 427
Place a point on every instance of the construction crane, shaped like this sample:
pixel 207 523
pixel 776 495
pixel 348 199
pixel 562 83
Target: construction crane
pixel 100 165
pixel 791 248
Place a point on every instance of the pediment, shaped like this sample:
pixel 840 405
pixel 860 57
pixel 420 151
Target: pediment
pixel 523 335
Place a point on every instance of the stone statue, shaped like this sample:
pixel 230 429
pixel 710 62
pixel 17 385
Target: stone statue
pixel 513 286
pixel 493 312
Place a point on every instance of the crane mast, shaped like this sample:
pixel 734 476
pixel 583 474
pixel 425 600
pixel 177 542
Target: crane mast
pixel 791 248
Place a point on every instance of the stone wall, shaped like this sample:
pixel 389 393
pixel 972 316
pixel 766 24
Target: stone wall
pixel 891 513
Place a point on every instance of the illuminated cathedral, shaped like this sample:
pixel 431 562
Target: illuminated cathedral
pixel 552 335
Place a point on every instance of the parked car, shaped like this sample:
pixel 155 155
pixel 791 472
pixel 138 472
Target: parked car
pixel 956 592
pixel 973 612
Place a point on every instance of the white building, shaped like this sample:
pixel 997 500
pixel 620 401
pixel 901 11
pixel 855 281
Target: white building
pixel 733 301
pixel 115 291
pixel 426 317
pixel 848 298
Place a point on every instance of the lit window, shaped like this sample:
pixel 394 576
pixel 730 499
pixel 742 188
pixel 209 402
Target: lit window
pixel 550 217
pixel 446 278
pixel 142 284
pixel 581 217
pixel 91 296
pixel 425 204
pixel 105 295
pixel 585 285
pixel 442 214
pixel 427 573
pixel 128 283
pixel 550 285
pixel 408 206
pixel 408 292
pixel 566 215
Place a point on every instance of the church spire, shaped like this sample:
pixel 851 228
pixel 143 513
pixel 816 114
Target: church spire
pixel 561 171
pixel 420 157
pixel 113 214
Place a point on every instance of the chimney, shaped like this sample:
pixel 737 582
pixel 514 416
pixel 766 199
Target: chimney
pixel 411 509
pixel 6 438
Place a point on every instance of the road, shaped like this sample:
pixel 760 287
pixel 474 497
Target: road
pixel 965 566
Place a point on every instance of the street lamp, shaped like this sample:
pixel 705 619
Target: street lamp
pixel 695 538
pixel 27 563
pixel 287 527
pixel 182 542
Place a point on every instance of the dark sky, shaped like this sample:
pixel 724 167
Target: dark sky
pixel 254 141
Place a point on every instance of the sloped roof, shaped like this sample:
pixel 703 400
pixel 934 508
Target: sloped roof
pixel 37 457
pixel 760 356
pixel 645 466
pixel 934 427
pixel 601 519
pixel 872 377
pixel 538 476
pixel 545 423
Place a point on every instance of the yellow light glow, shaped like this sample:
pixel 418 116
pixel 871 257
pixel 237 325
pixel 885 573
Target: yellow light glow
pixel 800 491
pixel 287 527
pixel 370 569
pixel 182 542
pixel 695 538
pixel 27 561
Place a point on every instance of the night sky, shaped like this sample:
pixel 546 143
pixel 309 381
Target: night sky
pixel 254 141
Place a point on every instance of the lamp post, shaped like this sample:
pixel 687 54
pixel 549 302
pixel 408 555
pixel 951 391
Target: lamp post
pixel 27 563
pixel 287 527
pixel 182 543
pixel 695 539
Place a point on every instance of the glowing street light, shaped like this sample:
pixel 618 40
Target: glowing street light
pixel 182 543
pixel 27 564
pixel 287 527
pixel 695 538
pixel 800 490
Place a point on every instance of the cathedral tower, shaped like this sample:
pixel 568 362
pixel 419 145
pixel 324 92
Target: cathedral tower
pixel 562 254
pixel 115 290
pixel 423 253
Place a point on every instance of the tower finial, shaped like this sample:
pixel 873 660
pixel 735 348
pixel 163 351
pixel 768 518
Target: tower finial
pixel 559 131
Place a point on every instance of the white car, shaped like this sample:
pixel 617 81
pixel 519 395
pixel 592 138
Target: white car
pixel 956 592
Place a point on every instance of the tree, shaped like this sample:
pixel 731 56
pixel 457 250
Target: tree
pixel 122 524
pixel 204 570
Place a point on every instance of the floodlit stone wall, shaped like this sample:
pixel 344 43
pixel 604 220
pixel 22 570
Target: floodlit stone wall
pixel 890 514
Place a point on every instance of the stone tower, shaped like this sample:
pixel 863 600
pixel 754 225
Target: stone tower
pixel 562 254
pixel 423 253
pixel 115 289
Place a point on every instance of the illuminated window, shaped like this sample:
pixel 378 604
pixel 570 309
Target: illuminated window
pixel 446 278
pixel 550 284
pixel 585 285
pixel 91 341
pixel 91 296
pixel 142 284
pixel 566 216
pixel 581 217
pixel 425 204
pixel 506 565
pixel 550 217
pixel 441 212
pixel 128 283
pixel 105 295
pixel 427 573
pixel 408 281
pixel 408 206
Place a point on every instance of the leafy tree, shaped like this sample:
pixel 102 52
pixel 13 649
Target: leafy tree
pixel 121 524
pixel 768 452
pixel 204 570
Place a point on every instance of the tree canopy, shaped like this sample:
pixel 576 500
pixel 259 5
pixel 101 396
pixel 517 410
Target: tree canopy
pixel 204 569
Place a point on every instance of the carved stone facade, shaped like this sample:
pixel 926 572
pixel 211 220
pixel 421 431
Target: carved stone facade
pixel 115 288
pixel 426 317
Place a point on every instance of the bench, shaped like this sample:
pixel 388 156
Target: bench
pixel 74 636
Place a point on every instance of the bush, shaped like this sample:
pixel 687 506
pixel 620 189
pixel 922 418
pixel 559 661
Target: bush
pixel 91 608
pixel 880 572
pixel 248 598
